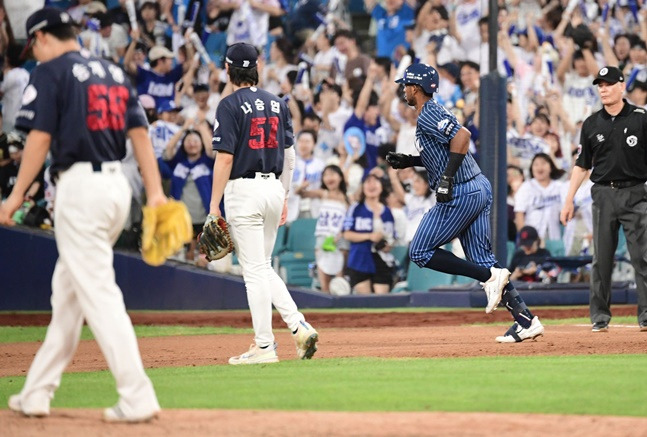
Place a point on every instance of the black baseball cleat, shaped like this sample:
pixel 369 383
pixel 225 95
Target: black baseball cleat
pixel 600 327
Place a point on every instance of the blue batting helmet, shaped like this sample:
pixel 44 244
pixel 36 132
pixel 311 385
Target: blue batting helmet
pixel 421 74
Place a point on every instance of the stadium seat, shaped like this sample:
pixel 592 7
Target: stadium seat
pixel 556 247
pixel 300 244
pixel 422 279
pixel 511 249
pixel 400 253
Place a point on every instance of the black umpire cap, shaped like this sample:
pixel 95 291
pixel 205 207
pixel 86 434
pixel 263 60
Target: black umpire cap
pixel 610 75
pixel 242 55
pixel 43 19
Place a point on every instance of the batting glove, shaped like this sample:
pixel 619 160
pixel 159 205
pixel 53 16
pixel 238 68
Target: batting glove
pixel 399 160
pixel 444 190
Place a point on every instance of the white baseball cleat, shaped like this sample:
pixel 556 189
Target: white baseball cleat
pixel 256 355
pixel 517 333
pixel 494 287
pixel 116 415
pixel 306 340
pixel 41 409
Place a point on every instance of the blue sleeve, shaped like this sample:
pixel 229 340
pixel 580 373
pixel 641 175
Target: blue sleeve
pixel 378 12
pixel 287 125
pixel 39 102
pixel 439 123
pixel 226 133
pixel 176 73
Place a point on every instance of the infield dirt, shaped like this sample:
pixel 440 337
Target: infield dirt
pixel 389 334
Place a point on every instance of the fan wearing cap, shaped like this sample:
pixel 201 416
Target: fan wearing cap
pixel 526 262
pixel 159 80
pixel 253 170
pixel 464 201
pixel 81 109
pixel 613 150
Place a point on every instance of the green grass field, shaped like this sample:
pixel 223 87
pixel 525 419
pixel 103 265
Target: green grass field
pixel 599 385
pixel 582 384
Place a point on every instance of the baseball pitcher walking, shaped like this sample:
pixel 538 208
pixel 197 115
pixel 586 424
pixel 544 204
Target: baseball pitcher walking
pixel 253 170
pixel 464 200
pixel 80 109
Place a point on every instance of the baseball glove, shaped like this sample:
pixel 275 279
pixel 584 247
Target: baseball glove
pixel 165 229
pixel 215 241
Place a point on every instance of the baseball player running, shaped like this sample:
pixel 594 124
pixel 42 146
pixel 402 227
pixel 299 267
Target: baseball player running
pixel 464 199
pixel 253 170
pixel 80 109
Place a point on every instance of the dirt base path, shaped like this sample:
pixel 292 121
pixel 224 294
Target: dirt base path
pixel 225 423
pixel 342 335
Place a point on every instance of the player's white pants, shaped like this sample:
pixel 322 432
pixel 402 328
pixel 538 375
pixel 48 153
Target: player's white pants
pixel 91 209
pixel 253 209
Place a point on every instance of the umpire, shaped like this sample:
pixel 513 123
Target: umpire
pixel 613 147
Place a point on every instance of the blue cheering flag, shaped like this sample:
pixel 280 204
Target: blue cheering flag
pixel 508 68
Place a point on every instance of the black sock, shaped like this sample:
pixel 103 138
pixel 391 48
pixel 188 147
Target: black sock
pixel 446 262
pixel 264 347
pixel 295 331
pixel 517 307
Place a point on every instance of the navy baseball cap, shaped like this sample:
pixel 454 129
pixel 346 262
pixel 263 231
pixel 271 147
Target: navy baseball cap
pixel 527 236
pixel 421 74
pixel 43 19
pixel 609 74
pixel 242 55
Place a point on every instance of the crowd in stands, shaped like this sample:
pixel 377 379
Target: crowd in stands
pixel 334 62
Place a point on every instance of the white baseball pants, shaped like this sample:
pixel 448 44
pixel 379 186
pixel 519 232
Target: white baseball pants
pixel 253 209
pixel 91 209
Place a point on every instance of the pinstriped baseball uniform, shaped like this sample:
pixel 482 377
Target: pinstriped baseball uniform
pixel 467 215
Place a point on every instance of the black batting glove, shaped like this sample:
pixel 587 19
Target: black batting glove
pixel 444 190
pixel 399 160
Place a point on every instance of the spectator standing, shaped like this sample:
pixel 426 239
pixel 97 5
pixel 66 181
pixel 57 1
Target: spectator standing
pixel 354 63
pixel 307 175
pixel 613 139
pixel 158 81
pixel 165 128
pixel 330 246
pixel 366 117
pixel 538 201
pixel 465 23
pixel 13 84
pixel 191 176
pixel 369 227
pixel 390 20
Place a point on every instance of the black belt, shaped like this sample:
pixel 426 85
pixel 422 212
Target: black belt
pixel 96 167
pixel 621 184
pixel 259 175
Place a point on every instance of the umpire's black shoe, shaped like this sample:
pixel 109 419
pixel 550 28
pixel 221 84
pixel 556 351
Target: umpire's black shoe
pixel 643 326
pixel 600 327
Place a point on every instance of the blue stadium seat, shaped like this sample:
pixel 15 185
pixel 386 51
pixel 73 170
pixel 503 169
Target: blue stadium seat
pixel 422 279
pixel 556 247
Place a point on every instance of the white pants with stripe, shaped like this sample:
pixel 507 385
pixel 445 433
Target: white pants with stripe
pixel 253 209
pixel 91 209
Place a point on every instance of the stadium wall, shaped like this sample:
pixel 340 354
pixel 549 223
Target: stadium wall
pixel 28 256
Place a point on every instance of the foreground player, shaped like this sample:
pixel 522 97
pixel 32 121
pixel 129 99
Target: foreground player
pixel 253 170
pixel 81 108
pixel 464 197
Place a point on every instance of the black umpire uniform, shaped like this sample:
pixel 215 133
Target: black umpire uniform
pixel 615 148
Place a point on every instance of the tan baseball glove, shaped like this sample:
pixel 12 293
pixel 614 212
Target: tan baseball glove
pixel 165 229
pixel 215 241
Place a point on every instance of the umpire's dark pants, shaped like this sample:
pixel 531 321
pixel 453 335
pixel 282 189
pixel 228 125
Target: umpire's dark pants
pixel 613 207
